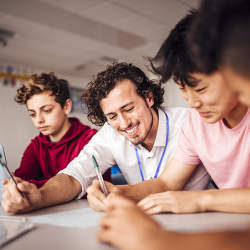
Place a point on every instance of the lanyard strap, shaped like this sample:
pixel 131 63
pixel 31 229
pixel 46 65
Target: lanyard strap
pixel 159 165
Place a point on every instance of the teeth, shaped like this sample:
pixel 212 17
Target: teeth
pixel 132 130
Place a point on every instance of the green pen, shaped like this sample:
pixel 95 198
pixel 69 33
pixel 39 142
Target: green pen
pixel 104 189
pixel 4 165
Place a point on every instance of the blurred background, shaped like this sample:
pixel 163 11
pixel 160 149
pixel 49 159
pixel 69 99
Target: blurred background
pixel 76 39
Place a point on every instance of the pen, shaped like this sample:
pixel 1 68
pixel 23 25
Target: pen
pixel 13 218
pixel 11 177
pixel 104 189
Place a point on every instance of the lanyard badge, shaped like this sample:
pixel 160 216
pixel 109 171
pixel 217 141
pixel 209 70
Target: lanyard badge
pixel 159 165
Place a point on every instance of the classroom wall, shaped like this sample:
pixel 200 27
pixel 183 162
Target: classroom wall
pixel 17 130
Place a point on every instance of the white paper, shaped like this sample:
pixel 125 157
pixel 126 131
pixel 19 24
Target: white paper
pixel 80 218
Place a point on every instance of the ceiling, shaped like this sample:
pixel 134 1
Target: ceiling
pixel 79 37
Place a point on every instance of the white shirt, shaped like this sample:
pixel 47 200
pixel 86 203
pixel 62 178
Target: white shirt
pixel 110 148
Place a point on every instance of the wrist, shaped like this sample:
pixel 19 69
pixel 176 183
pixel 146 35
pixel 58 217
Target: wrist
pixel 206 200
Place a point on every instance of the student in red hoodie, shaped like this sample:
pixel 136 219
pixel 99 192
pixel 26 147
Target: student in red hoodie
pixel 60 139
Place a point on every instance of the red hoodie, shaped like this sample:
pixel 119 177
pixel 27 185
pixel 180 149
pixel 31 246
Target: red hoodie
pixel 43 159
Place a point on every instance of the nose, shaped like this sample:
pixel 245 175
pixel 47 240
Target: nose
pixel 193 100
pixel 39 118
pixel 125 121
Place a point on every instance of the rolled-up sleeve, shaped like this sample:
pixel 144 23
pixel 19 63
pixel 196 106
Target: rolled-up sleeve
pixel 82 168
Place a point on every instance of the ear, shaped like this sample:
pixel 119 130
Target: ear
pixel 150 99
pixel 67 106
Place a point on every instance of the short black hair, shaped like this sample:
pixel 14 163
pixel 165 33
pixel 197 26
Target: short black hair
pixel 106 80
pixel 221 36
pixel 174 59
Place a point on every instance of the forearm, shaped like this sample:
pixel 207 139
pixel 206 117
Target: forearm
pixel 239 240
pixel 227 200
pixel 59 189
pixel 142 189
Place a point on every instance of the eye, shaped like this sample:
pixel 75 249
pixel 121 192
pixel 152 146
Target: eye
pixel 199 90
pixel 47 110
pixel 32 115
pixel 112 117
pixel 129 109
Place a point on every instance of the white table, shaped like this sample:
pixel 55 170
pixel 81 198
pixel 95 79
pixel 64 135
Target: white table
pixel 46 237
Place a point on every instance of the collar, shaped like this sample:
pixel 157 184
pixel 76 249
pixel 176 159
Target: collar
pixel 160 139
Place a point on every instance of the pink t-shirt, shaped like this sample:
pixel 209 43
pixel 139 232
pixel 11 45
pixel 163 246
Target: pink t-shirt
pixel 224 152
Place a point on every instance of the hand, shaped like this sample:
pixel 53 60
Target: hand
pixel 173 201
pixel 12 200
pixel 127 227
pixel 97 198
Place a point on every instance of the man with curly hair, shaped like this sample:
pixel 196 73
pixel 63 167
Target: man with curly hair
pixel 139 135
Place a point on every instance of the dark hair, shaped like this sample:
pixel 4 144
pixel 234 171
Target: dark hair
pixel 105 81
pixel 38 84
pixel 174 57
pixel 221 35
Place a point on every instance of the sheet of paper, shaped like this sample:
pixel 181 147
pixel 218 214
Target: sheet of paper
pixel 80 218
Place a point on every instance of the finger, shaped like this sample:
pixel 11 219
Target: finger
pixel 14 194
pixel 112 188
pixel 96 204
pixel 10 204
pixel 153 202
pixel 5 181
pixel 105 235
pixel 95 189
pixel 10 207
pixel 156 210
pixel 114 201
pixel 26 187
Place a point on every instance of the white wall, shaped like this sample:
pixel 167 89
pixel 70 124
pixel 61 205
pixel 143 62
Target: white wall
pixel 17 130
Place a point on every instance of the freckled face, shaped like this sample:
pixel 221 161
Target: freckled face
pixel 128 113
pixel 47 114
pixel 211 97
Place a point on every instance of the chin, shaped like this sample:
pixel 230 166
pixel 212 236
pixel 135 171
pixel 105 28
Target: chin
pixel 210 120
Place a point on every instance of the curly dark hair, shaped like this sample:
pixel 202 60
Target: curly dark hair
pixel 174 58
pixel 105 81
pixel 224 39
pixel 38 84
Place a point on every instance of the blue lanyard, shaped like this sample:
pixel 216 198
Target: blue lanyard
pixel 159 165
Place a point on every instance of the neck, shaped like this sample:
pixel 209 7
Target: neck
pixel 57 137
pixel 235 116
pixel 150 140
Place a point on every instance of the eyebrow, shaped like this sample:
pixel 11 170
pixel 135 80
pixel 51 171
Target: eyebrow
pixel 41 107
pixel 122 107
pixel 195 81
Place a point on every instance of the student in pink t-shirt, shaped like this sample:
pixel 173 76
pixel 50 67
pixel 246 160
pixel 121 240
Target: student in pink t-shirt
pixel 215 133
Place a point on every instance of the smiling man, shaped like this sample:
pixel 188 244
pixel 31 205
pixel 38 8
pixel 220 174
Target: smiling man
pixel 139 135
pixel 215 133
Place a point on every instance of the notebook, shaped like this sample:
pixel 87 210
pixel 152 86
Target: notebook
pixel 3 174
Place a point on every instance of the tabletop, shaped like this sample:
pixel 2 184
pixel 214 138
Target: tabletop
pixel 45 236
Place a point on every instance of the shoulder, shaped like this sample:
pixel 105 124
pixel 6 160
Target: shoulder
pixel 176 115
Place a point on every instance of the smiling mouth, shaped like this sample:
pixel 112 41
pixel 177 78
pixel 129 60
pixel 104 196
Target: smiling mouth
pixel 133 130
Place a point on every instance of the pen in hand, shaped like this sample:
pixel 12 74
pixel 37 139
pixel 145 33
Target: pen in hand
pixel 12 178
pixel 104 189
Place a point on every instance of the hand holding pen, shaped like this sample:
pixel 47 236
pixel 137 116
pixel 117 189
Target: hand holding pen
pixel 4 165
pixel 99 190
